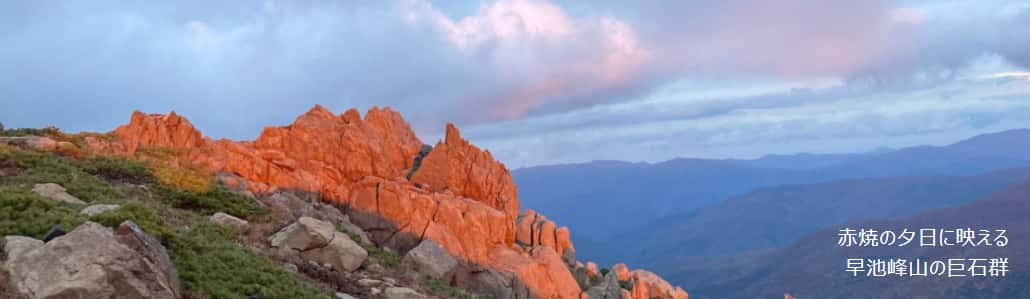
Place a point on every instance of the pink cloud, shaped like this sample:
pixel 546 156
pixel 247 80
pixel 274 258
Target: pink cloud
pixel 544 52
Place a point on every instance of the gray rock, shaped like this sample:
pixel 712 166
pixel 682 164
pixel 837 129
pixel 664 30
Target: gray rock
pixel 97 209
pixel 430 259
pixel 402 293
pixel 368 282
pixel 56 193
pixel 224 219
pixel 16 246
pixel 305 234
pixel 155 255
pixel 343 296
pixel 609 288
pixel 291 267
pixel 91 262
pixel 352 229
pixel 341 252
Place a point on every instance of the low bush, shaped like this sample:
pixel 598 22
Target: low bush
pixel 187 177
pixel 118 168
pixel 211 264
pixel 218 199
pixel 50 168
pixel 145 217
pixel 386 258
pixel 24 213
pixel 443 290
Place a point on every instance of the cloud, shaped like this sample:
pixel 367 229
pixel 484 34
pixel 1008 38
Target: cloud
pixel 545 53
pixel 538 72
pixel 836 122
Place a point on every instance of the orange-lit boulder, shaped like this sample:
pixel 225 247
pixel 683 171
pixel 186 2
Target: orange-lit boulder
pixel 650 285
pixel 534 229
pixel 542 271
pixel 621 271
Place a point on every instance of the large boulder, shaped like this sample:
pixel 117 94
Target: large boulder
pixel 539 272
pixel 430 259
pixel 15 246
pixel 156 258
pixel 94 262
pixel 305 234
pixel 319 242
pixel 57 193
pixel 342 253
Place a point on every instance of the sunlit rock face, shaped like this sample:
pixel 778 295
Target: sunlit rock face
pixel 459 196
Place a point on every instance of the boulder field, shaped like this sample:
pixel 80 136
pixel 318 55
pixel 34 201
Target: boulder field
pixel 456 195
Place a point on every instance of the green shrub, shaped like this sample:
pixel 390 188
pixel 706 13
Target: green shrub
pixel 218 199
pixel 211 264
pixel 48 131
pixel 50 168
pixel 604 271
pixel 118 168
pixel 386 258
pixel 442 289
pixel 24 213
pixel 145 217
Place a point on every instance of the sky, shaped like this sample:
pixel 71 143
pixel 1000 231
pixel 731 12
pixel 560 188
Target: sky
pixel 536 81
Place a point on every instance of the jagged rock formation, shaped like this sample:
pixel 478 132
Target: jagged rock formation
pixel 534 229
pixel 458 196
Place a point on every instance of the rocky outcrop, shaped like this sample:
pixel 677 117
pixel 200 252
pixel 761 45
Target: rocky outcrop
pixel 609 288
pixel 170 130
pixel 534 229
pixel 93 262
pixel 457 196
pixel 455 164
pixel 650 285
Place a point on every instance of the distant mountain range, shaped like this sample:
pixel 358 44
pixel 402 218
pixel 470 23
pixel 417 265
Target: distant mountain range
pixel 813 266
pixel 776 216
pixel 588 196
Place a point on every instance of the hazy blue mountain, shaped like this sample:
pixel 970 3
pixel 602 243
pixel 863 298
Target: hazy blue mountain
pixel 603 199
pixel 776 216
pixel 813 266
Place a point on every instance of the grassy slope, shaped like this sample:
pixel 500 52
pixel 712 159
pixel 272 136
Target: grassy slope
pixel 210 261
